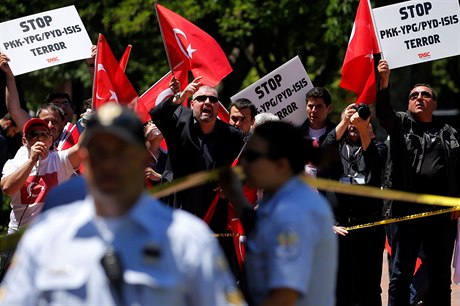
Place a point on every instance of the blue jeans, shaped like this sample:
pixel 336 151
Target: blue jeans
pixel 436 236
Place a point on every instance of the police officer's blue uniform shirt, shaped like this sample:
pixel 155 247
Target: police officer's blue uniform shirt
pixel 293 246
pixel 168 257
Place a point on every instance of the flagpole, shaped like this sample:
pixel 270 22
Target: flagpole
pixel 95 71
pixel 162 78
pixel 127 53
pixel 375 28
pixel 164 42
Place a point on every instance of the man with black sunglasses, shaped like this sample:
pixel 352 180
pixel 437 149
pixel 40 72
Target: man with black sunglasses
pixel 425 158
pixel 198 141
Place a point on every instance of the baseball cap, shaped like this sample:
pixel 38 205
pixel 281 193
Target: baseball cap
pixel 33 122
pixel 112 118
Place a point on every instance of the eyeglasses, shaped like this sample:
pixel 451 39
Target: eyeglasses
pixel 415 94
pixel 34 135
pixel 203 98
pixel 61 102
pixel 252 155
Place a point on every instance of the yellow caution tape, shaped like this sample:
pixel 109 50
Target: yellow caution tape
pixel 199 178
pixel 375 192
pixel 227 235
pixel 404 218
pixel 190 181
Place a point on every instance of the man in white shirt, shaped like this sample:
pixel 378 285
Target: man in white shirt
pixel 27 178
pixel 319 106
pixel 118 246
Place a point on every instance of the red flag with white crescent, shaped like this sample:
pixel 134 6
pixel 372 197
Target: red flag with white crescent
pixel 358 74
pixel 110 81
pixel 35 188
pixel 187 43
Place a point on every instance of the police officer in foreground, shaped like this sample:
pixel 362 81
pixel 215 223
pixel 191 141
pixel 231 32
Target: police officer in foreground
pixel 118 246
pixel 291 254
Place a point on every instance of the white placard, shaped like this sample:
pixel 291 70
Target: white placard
pixel 414 32
pixel 281 92
pixel 44 40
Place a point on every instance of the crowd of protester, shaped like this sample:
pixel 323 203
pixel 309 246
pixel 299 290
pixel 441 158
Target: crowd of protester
pixel 96 237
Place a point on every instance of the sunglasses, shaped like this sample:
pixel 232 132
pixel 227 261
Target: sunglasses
pixel 415 94
pixel 252 155
pixel 34 135
pixel 203 98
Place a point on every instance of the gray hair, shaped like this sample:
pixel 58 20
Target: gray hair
pixel 264 117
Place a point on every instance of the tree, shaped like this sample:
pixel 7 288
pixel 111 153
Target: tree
pixel 258 36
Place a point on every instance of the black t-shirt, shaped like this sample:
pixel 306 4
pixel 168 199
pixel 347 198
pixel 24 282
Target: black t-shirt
pixel 432 177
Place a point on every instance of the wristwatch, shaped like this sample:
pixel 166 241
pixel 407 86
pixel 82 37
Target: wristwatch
pixel 177 96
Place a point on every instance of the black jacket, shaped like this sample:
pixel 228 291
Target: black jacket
pixel 407 152
pixel 346 162
pixel 191 151
pixel 329 127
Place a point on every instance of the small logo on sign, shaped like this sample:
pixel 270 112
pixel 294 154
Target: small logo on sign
pixel 53 59
pixel 424 55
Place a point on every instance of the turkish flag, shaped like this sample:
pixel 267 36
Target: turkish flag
pixel 140 110
pixel 124 59
pixel 358 73
pixel 160 90
pixel 110 81
pixel 69 137
pixel 185 42
pixel 35 188
pixel 222 113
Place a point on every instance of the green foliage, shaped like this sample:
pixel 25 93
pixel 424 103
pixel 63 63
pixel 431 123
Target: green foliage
pixel 10 8
pixel 257 35
pixel 4 214
pixel 340 19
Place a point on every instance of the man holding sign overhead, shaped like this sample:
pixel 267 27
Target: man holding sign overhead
pixel 425 159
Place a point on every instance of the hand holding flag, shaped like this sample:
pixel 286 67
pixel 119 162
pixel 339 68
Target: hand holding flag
pixel 160 90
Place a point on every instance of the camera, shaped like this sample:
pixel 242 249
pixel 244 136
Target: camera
pixel 363 110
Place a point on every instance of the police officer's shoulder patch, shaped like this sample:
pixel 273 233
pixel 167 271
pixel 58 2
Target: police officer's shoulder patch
pixel 234 297
pixel 287 243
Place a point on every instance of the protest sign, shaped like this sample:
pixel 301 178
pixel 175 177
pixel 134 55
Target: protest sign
pixel 414 32
pixel 44 40
pixel 281 92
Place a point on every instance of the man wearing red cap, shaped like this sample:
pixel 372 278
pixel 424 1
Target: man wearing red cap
pixel 28 178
